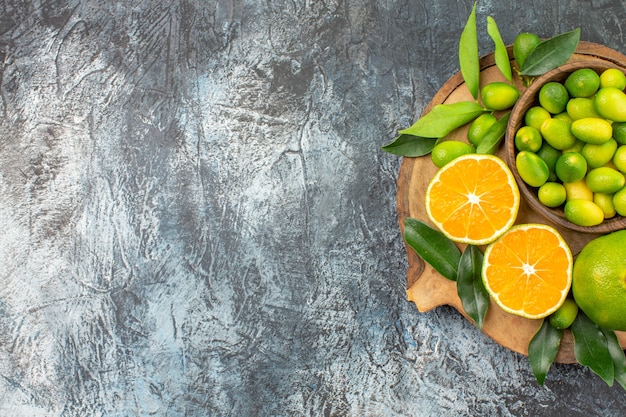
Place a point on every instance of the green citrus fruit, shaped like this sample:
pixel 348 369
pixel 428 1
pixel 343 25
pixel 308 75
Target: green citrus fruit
pixel 611 104
pixel 565 315
pixel 598 155
pixel 549 156
pixel 598 285
pixel 619 202
pixel 581 107
pixel 527 138
pixel 557 133
pixel 552 194
pixel 535 116
pixel 619 159
pixel 605 180
pixel 619 132
pixel 553 97
pixel 578 190
pixel 571 167
pixel 613 77
pixel 499 95
pixel 523 45
pixel 583 212
pixel 446 151
pixel 479 127
pixel 592 130
pixel 583 82
pixel 532 169
pixel 605 202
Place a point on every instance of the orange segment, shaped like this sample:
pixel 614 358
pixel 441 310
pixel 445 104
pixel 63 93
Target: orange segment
pixel 528 271
pixel 473 199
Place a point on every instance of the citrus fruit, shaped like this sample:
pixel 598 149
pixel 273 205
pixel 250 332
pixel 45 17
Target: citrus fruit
pixel 619 132
pixel 583 82
pixel 619 202
pixel 565 315
pixel 610 103
pixel 583 212
pixel 581 107
pixel 499 95
pixel 523 45
pixel 557 133
pixel 612 77
pixel 552 194
pixel 479 127
pixel 549 156
pixel 553 97
pixel 592 130
pixel 605 180
pixel 565 117
pixel 527 138
pixel 446 151
pixel 598 283
pixel 605 202
pixel 619 159
pixel 474 199
pixel 528 271
pixel 571 166
pixel 598 155
pixel 578 190
pixel 532 169
pixel 535 116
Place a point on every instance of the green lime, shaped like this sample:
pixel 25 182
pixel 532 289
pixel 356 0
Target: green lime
pixel 619 202
pixel 552 194
pixel 583 82
pixel 565 315
pixel 557 133
pixel 583 212
pixel 611 104
pixel 619 159
pixel 605 202
pixel 446 151
pixel 532 169
pixel 565 117
pixel 613 77
pixel 528 138
pixel 553 97
pixel 605 180
pixel 549 156
pixel 523 45
pixel 479 127
pixel 592 130
pixel 598 155
pixel 499 95
pixel 535 116
pixel 581 107
pixel 571 167
pixel 619 132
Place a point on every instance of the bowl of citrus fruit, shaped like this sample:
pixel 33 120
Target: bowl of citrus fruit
pixel 566 146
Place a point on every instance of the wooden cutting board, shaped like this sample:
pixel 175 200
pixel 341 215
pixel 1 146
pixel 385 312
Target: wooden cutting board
pixel 427 288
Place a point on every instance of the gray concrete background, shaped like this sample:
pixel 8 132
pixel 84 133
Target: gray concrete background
pixel 197 218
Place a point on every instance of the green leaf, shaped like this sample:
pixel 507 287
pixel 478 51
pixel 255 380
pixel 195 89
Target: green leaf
pixel 470 287
pixel 444 118
pixel 500 53
pixel 433 247
pixel 468 54
pixel 542 350
pixel 411 146
pixel 619 359
pixel 551 53
pixel 490 142
pixel 591 348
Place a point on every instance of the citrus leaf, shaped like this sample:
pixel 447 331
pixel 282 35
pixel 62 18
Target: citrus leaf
pixel 619 359
pixel 443 119
pixel 551 53
pixel 468 54
pixel 411 146
pixel 470 287
pixel 500 53
pixel 591 348
pixel 490 142
pixel 542 350
pixel 433 247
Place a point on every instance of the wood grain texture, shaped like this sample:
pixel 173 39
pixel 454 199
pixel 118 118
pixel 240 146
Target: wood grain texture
pixel 198 219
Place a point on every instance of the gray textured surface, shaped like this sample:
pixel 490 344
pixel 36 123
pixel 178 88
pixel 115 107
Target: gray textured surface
pixel 197 218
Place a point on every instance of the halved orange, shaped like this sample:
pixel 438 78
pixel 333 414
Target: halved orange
pixel 528 270
pixel 473 199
